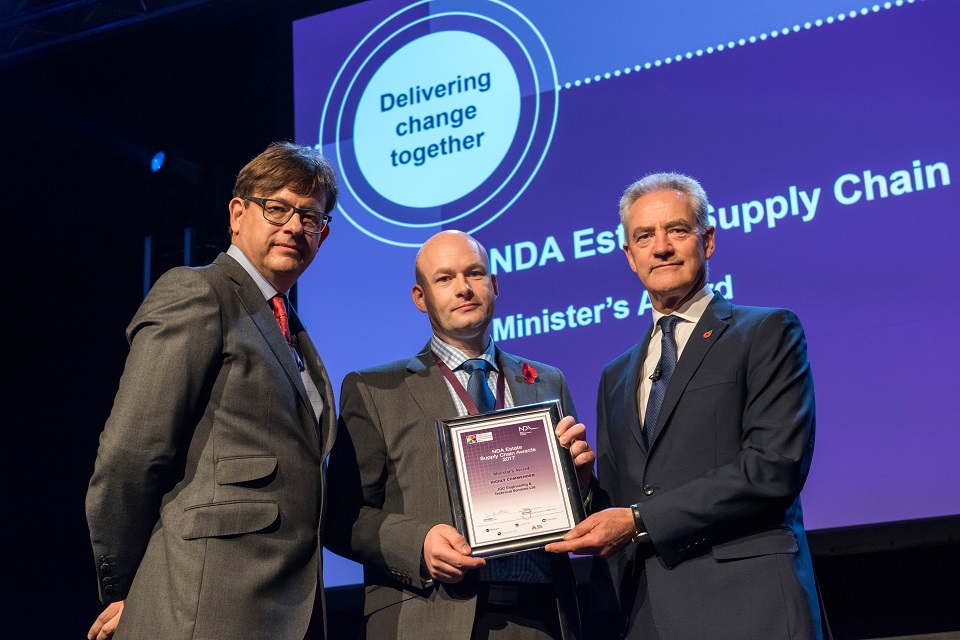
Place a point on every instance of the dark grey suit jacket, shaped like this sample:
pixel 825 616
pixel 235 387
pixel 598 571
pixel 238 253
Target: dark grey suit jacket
pixel 205 503
pixel 387 490
pixel 719 489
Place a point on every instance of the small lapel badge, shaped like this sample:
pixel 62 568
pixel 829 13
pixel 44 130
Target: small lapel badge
pixel 707 334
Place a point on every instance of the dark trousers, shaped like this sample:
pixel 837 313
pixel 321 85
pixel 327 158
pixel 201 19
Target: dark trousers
pixel 516 611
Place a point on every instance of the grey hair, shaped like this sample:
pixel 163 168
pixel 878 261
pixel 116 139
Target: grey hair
pixel 667 182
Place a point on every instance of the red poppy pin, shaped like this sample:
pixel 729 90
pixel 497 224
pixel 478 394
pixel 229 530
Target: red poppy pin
pixel 529 373
pixel 708 334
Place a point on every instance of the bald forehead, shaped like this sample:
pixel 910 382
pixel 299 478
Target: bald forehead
pixel 447 243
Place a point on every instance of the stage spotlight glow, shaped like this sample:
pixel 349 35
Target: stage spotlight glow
pixel 156 162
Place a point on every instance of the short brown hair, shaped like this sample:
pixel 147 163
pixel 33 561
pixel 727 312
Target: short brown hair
pixel 287 165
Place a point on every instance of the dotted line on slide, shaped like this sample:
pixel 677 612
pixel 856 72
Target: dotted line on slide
pixel 734 43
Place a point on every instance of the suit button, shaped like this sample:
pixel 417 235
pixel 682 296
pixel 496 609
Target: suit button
pixel 108 589
pixel 105 569
pixel 647 490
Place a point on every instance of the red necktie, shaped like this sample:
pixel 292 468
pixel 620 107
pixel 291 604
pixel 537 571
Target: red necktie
pixel 280 313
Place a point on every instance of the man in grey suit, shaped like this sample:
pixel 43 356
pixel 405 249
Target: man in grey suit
pixel 208 493
pixel 700 503
pixel 387 482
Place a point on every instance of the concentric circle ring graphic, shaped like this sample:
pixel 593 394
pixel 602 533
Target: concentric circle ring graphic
pixel 440 117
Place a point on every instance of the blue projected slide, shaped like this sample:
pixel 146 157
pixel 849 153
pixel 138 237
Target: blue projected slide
pixel 826 134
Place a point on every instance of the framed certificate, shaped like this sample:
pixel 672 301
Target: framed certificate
pixel 512 486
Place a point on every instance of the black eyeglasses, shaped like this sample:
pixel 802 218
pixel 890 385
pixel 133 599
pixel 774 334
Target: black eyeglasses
pixel 279 213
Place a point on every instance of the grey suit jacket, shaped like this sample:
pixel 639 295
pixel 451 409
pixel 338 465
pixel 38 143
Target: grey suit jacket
pixel 206 499
pixel 719 488
pixel 387 490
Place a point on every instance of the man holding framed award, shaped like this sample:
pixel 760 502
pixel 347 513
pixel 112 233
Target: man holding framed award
pixel 389 482
pixel 697 514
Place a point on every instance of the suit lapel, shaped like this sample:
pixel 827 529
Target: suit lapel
pixel 523 392
pixel 712 324
pixel 318 373
pixel 428 390
pixel 630 399
pixel 253 301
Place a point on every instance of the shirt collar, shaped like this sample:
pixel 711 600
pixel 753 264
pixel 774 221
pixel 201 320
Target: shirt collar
pixel 265 287
pixel 454 357
pixel 689 311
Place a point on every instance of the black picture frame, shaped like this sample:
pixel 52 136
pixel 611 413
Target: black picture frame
pixel 518 489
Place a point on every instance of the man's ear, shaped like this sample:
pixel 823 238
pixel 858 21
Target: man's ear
pixel 709 236
pixel 626 251
pixel 236 207
pixel 418 298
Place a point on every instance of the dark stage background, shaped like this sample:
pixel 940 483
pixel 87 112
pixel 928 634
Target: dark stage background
pixel 211 86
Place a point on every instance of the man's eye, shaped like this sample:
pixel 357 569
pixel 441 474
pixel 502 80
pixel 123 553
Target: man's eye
pixel 276 209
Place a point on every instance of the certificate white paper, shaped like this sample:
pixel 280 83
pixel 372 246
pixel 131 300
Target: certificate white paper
pixel 512 486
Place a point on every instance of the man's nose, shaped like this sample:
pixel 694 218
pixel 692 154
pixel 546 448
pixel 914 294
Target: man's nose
pixel 294 224
pixel 662 244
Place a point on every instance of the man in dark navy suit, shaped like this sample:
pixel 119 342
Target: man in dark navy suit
pixel 705 434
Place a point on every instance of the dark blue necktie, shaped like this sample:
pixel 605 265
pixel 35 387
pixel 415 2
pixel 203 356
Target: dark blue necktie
pixel 477 385
pixel 661 377
pixel 521 567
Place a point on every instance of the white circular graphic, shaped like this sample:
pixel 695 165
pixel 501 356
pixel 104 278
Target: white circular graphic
pixel 431 127
pixel 441 115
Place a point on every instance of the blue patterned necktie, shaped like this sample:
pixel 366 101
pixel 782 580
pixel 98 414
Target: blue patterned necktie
pixel 668 362
pixel 477 385
pixel 521 567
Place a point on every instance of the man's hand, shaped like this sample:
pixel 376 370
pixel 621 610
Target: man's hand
pixel 106 623
pixel 602 534
pixel 447 554
pixel 574 437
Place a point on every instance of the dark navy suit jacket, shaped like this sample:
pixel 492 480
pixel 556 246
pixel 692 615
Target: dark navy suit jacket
pixel 719 489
